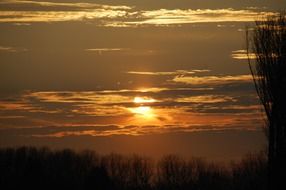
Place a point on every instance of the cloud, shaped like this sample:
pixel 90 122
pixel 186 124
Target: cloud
pixel 231 109
pixel 60 131
pixel 150 73
pixel 143 90
pixel 58 16
pixel 12 117
pixel 89 103
pixel 22 24
pixel 118 15
pixel 177 72
pixel 122 51
pixel 100 51
pixel 179 16
pixel 206 99
pixel 77 97
pixel 37 11
pixel 12 49
pixel 114 130
pixel 14 105
pixel 213 80
pixel 105 49
pixel 63 5
pixel 216 100
pixel 98 110
pixel 242 55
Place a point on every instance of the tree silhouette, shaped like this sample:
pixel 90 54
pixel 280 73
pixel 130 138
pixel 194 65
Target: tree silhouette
pixel 42 168
pixel 266 43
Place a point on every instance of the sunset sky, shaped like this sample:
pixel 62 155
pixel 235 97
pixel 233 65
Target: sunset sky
pixel 131 76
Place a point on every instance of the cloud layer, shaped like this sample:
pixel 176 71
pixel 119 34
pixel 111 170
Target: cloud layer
pixel 210 102
pixel 117 15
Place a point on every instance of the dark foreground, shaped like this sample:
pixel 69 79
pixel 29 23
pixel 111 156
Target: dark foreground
pixel 34 168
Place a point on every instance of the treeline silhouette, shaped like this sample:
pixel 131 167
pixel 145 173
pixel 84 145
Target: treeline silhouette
pixel 42 168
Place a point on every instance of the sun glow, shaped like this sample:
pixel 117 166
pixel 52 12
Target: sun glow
pixel 144 111
pixel 140 100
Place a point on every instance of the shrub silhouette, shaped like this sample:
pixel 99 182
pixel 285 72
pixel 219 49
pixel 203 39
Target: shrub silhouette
pixel 133 172
pixel 250 173
pixel 42 168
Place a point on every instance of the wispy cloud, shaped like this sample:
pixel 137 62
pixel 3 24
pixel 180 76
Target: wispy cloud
pixel 14 105
pixel 100 51
pixel 59 16
pixel 177 72
pixel 118 15
pixel 212 80
pixel 25 106
pixel 111 130
pixel 179 16
pixel 38 11
pixel 106 49
pixel 122 51
pixel 126 106
pixel 242 54
pixel 12 49
pixel 128 111
pixel 120 91
pixel 78 97
pixel 61 4
pixel 206 99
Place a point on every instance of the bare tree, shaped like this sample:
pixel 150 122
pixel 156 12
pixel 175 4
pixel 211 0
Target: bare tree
pixel 266 48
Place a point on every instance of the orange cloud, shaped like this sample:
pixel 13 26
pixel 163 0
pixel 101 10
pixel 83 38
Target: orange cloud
pixel 177 72
pixel 119 15
pixel 242 54
pixel 213 80
pixel 206 99
pixel 12 49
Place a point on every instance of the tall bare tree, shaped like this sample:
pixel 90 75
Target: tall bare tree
pixel 266 48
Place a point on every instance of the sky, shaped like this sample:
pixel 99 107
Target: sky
pixel 130 76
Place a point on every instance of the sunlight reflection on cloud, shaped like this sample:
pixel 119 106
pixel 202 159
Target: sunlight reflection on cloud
pixel 177 72
pixel 157 107
pixel 242 54
pixel 214 80
pixel 206 99
pixel 119 15
pixel 84 5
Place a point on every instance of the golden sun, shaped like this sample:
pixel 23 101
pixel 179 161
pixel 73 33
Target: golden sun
pixel 141 100
pixel 143 111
